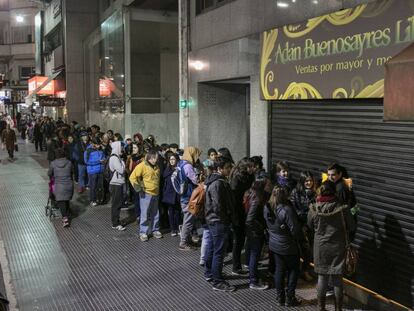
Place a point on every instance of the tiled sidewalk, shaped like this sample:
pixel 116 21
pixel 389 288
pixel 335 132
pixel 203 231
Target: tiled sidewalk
pixel 91 267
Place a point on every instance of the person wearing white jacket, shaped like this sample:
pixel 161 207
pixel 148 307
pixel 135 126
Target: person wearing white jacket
pixel 117 168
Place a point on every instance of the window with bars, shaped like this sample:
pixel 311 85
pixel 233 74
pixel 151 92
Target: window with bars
pixel 207 5
pixel 26 73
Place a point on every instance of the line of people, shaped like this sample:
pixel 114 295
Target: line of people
pixel 243 206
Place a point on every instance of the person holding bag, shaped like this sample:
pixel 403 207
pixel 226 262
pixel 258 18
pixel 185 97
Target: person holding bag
pixel 332 223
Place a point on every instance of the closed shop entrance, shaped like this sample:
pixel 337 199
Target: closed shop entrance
pixel 379 157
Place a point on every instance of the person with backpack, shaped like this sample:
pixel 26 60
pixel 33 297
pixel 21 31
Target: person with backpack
pixel 146 180
pixel 169 197
pixel 254 200
pixel 116 184
pixel 94 159
pixel 218 213
pixel 186 178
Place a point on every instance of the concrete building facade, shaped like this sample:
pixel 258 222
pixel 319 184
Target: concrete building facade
pixel 224 36
pixel 17 50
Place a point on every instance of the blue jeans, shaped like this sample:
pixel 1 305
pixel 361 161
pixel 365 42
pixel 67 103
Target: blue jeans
pixel 205 243
pixel 216 251
pixel 188 225
pixel 254 249
pixel 150 215
pixel 137 200
pixel 95 181
pixel 291 265
pixel 82 175
pixel 174 216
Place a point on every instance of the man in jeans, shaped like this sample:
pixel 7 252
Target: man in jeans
pixel 146 180
pixel 218 213
pixel 189 174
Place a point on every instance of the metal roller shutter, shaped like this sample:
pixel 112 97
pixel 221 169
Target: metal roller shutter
pixel 379 157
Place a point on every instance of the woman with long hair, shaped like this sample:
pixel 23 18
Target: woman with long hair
pixel 133 160
pixel 241 179
pixel 169 197
pixel 301 197
pixel 254 201
pixel 284 235
pixel 330 220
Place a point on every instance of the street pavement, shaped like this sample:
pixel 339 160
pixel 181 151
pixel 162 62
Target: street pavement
pixel 89 266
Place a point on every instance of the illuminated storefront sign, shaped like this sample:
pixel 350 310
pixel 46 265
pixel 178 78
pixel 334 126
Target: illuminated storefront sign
pixel 106 87
pixel 37 81
pixel 340 55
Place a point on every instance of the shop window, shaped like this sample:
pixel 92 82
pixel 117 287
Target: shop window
pixel 207 5
pixel 53 40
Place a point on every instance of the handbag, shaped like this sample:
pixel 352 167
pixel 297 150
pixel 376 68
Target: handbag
pixel 16 147
pixel 351 254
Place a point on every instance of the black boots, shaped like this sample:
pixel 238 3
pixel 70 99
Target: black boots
pixel 321 303
pixel 338 303
pixel 292 301
pixel 280 298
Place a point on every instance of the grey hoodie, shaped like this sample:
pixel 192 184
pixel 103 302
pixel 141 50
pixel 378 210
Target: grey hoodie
pixel 116 165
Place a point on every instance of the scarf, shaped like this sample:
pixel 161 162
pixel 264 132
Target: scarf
pixel 283 181
pixel 327 198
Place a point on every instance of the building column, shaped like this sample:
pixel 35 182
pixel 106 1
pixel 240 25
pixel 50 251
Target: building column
pixel 127 71
pixel 183 25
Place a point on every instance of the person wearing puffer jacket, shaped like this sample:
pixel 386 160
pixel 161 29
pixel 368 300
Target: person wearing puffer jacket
pixel 116 184
pixel 94 159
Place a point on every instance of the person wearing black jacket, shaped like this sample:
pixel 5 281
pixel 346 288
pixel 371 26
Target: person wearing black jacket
pixel 339 175
pixel 38 135
pixel 241 179
pixel 255 199
pixel 218 213
pixel 301 197
pixel 78 155
pixel 284 235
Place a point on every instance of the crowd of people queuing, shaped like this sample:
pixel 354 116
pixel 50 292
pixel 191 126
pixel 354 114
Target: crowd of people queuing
pixel 267 214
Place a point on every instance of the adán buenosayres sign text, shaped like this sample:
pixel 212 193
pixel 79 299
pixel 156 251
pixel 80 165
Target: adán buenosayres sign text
pixel 339 55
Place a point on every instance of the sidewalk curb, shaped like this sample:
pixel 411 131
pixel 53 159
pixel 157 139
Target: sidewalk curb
pixel 10 291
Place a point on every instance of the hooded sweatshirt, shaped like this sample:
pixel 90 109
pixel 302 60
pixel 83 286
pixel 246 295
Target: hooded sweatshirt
pixel 116 165
pixel 219 200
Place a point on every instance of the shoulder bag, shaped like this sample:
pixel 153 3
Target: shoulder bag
pixel 351 254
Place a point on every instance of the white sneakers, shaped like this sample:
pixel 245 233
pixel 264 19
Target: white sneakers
pixel 119 228
pixel 155 234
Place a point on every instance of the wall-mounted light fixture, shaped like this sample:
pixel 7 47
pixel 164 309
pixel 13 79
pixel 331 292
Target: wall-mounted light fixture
pixel 197 65
pixel 19 18
pixel 282 4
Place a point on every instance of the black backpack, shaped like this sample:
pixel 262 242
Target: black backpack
pixel 107 173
